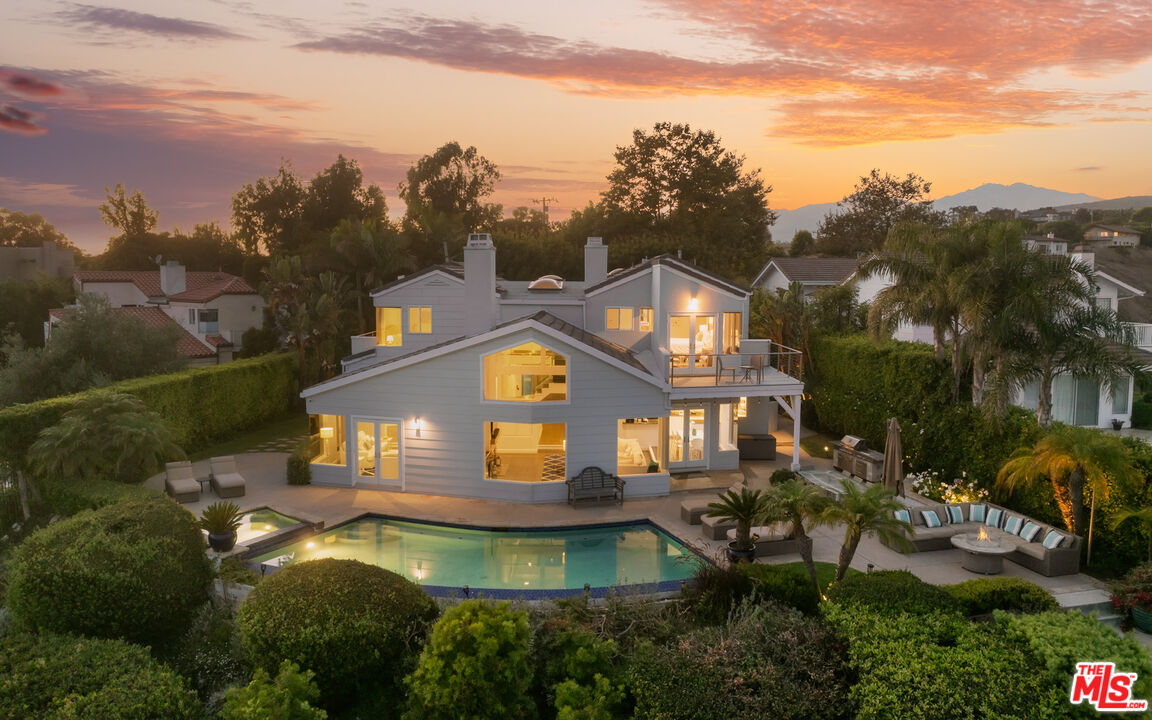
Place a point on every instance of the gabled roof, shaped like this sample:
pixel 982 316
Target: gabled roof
pixel 199 286
pixel 811 270
pixel 1131 267
pixel 453 271
pixel 674 263
pixel 544 321
pixel 1123 229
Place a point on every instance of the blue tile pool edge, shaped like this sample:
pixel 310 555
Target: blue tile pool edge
pixel 459 592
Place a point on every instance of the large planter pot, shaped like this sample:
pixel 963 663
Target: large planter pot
pixel 741 556
pixel 1142 619
pixel 222 543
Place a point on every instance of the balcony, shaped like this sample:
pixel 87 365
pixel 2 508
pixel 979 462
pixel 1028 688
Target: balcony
pixel 778 368
pixel 363 343
pixel 1143 333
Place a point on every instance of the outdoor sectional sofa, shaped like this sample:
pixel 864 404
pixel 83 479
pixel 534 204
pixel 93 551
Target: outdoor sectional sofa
pixel 1063 559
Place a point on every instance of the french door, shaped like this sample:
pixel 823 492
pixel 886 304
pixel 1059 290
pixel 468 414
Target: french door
pixel 687 437
pixel 692 340
pixel 377 452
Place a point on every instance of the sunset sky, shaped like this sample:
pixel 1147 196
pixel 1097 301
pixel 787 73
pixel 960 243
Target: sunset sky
pixel 188 100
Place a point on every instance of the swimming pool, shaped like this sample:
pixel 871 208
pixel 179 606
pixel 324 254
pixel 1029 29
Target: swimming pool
pixel 264 521
pixel 546 562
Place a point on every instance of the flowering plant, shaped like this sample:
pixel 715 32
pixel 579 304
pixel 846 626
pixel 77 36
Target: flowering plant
pixel 930 485
pixel 1135 590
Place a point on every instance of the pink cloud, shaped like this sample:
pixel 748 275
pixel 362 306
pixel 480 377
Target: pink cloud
pixel 15 120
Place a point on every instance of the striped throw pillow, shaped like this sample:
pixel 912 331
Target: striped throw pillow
pixel 1052 540
pixel 903 516
pixel 1013 524
pixel 930 519
pixel 1029 531
pixel 994 515
pixel 976 512
pixel 955 514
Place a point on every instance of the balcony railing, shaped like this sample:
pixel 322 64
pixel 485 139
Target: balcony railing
pixel 1143 333
pixel 363 343
pixel 713 370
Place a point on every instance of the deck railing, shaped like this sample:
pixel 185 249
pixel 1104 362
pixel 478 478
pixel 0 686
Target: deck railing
pixel 715 370
pixel 1143 333
pixel 363 342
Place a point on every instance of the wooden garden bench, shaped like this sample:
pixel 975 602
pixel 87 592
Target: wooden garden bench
pixel 594 484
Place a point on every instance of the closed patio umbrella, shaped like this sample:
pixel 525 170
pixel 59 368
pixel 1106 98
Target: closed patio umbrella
pixel 893 473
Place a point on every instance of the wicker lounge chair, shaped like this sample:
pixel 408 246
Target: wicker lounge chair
pixel 180 483
pixel 226 479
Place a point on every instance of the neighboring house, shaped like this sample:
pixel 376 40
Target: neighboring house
pixel 27 263
pixel 195 350
pixel 1112 235
pixel 811 272
pixel 213 309
pixel 1047 244
pixel 481 387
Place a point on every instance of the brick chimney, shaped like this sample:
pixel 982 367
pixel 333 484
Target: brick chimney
pixel 481 311
pixel 595 261
pixel 172 278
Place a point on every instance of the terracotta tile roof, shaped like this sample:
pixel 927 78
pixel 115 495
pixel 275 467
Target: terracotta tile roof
pixel 187 345
pixel 218 340
pixel 200 286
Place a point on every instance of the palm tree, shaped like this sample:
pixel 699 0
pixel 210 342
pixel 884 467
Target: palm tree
pixel 106 436
pixel 1141 515
pixel 368 252
pixel 863 511
pixel 1072 460
pixel 799 503
pixel 745 508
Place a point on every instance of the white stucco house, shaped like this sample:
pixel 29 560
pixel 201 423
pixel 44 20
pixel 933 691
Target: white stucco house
pixel 475 386
pixel 211 309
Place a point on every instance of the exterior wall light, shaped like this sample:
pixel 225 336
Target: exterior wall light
pixel 693 305
pixel 417 425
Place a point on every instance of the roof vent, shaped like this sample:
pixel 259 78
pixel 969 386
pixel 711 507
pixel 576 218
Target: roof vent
pixel 547 282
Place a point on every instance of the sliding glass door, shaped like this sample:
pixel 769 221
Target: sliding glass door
pixel 377 452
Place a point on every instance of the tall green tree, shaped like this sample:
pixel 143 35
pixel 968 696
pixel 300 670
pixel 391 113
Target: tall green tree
pixel 805 507
pixel 338 193
pixel 802 244
pixel 863 511
pixel 136 245
pixel 368 252
pixel 19 229
pixel 446 194
pixel 1073 461
pixel 106 436
pixel 862 220
pixel 268 213
pixel 687 185
pixel 25 305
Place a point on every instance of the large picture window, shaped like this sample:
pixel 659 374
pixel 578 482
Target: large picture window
pixel 526 373
pixel 525 452
pixel 326 440
pixel 388 327
pixel 419 319
pixel 639 446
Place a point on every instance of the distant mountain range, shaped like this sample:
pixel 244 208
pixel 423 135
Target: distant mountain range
pixel 1017 196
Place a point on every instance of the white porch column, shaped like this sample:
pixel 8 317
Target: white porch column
pixel 796 400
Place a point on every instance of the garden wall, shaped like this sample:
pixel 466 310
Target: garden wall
pixel 202 405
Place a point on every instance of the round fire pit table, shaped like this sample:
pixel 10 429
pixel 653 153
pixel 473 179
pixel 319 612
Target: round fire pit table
pixel 985 557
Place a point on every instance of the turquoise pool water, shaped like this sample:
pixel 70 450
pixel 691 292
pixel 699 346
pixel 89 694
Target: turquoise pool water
pixel 520 560
pixel 259 523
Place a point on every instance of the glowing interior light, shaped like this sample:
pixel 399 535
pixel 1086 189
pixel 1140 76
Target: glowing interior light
pixel 310 545
pixel 327 433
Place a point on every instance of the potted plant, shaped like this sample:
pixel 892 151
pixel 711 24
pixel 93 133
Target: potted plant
pixel 220 520
pixel 745 508
pixel 1133 594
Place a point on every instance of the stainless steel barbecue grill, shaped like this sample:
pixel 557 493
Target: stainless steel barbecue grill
pixel 851 455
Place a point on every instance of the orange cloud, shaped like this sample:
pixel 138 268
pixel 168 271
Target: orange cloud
pixel 845 71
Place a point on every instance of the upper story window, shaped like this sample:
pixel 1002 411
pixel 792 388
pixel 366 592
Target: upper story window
pixel 388 327
pixel 419 319
pixel 645 320
pixel 526 373
pixel 732 325
pixel 207 322
pixel 618 318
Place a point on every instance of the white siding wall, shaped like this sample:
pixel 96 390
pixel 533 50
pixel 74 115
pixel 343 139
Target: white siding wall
pixel 634 293
pixel 446 393
pixel 774 281
pixel 443 295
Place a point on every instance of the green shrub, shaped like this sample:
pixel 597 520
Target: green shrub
pixel 210 655
pixel 202 405
pixel 476 665
pixel 786 584
pixel 983 595
pixel 61 677
pixel 715 590
pixel 1061 639
pixel 300 465
pixel 68 497
pixel 287 697
pixel 356 626
pixel 135 570
pixel 1142 414
pixel 768 662
pixel 600 700
pixel 576 671
pixel 892 592
pixel 940 665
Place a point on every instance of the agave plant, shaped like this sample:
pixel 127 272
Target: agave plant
pixel 220 518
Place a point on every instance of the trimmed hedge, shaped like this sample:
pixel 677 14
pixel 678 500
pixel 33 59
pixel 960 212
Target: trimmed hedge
pixel 892 592
pixel 786 584
pixel 299 467
pixel 202 405
pixel 134 570
pixel 859 383
pixel 357 626
pixel 68 498
pixel 60 677
pixel 983 595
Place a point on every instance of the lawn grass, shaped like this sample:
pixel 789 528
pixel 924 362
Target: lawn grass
pixel 825 571
pixel 282 433
pixel 814 445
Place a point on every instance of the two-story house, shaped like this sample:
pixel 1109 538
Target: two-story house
pixel 481 387
pixel 812 273
pixel 212 309
pixel 1112 236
